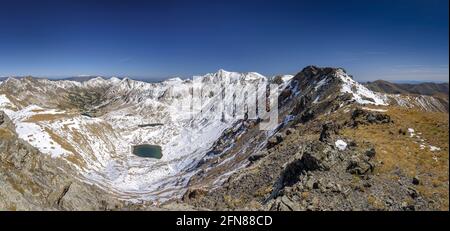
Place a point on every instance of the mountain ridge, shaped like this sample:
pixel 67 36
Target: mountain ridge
pixel 92 126
pixel 426 88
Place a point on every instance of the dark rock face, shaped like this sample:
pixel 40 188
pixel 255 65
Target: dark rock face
pixel 328 130
pixel 402 131
pixel 285 94
pixel 371 152
pixel 278 80
pixel 311 158
pixel 361 117
pixel 416 180
pixel 276 139
pixel 194 193
pixel 360 166
pixel 255 157
pixel 2 118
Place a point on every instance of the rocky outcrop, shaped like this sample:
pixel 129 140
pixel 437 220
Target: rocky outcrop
pixel 297 166
pixel 31 180
pixel 328 131
pixel 276 139
pixel 361 117
pixel 302 169
pixel 2 118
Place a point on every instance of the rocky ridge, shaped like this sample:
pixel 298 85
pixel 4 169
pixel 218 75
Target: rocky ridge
pixel 306 163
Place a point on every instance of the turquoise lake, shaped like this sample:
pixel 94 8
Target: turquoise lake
pixel 148 151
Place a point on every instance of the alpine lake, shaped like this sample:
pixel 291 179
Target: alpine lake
pixel 148 151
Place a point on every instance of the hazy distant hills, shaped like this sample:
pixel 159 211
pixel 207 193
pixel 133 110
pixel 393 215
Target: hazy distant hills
pixel 408 88
pixel 87 78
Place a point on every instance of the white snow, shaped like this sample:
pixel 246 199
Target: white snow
pixel 340 144
pixel 104 143
pixel 411 132
pixel 434 148
pixel 360 93
pixel 374 109
pixel 320 84
pixel 287 78
pixel 114 80
pixel 4 101
pixel 288 119
pixel 423 102
pixel 39 138
pixel 316 100
pixel 422 144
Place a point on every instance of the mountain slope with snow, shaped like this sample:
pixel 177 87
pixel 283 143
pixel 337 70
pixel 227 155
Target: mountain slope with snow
pixel 94 124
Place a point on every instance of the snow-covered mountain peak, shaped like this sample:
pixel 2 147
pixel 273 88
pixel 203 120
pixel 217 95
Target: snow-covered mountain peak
pixel 95 82
pixel 104 118
pixel 114 80
pixel 227 76
pixel 321 83
pixel 360 93
pixel 174 80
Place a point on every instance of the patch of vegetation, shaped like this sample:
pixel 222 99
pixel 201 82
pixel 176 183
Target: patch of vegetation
pixel 232 202
pixel 6 134
pixel 398 151
pixel 45 117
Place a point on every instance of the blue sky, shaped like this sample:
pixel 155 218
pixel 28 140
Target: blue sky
pixel 371 39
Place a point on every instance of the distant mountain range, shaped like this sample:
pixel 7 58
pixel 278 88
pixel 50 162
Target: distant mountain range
pixel 427 88
pixel 74 78
pixel 391 87
pixel 87 78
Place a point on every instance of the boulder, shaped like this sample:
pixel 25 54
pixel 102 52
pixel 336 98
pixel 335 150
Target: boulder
pixel 412 192
pixel 313 157
pixel 371 152
pixel 361 117
pixel 255 157
pixel 416 180
pixel 194 193
pixel 328 130
pixel 290 131
pixel 274 140
pixel 359 166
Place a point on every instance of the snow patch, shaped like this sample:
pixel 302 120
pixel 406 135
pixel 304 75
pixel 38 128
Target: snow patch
pixel 286 78
pixel 361 94
pixel 288 119
pixel 340 144
pixel 411 132
pixel 434 148
pixel 374 109
pixel 316 100
pixel 4 101
pixel 39 138
pixel 320 83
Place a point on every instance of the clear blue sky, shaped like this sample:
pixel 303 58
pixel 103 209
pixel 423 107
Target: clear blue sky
pixel 372 39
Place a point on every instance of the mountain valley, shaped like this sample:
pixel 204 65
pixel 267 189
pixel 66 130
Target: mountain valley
pixel 336 145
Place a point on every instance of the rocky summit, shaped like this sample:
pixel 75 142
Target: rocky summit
pixel 335 144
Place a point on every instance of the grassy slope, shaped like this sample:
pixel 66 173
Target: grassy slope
pixel 402 153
